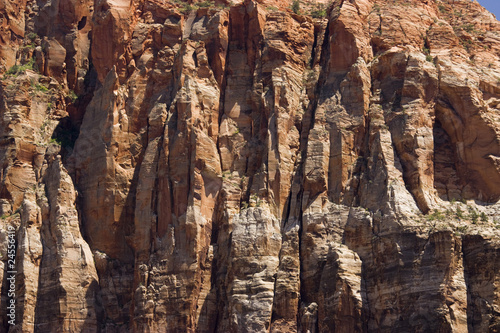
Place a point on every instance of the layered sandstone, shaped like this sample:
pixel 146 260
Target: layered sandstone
pixel 243 168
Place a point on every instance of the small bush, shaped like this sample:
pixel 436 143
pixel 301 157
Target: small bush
pixel 32 36
pixel 206 4
pixel 39 87
pixel 473 215
pixel 436 215
pixel 187 8
pixel 296 6
pixel 484 218
pixel 13 70
pixel 19 69
pixel 428 58
pixel 29 65
pixel 28 46
pixel 319 13
pixel 72 96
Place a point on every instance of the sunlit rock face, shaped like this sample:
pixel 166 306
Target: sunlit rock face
pixel 255 166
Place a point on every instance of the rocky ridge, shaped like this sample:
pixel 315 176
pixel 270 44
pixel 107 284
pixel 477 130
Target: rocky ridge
pixel 174 167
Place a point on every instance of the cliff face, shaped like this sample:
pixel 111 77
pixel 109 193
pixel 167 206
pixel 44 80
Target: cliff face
pixel 244 168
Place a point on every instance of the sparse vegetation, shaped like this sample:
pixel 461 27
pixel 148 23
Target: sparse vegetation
pixel 39 87
pixel 32 36
pixel 296 6
pixel 13 70
pixel 473 215
pixel 483 216
pixel 206 4
pixel 72 96
pixel 19 69
pixel 28 46
pixel 55 141
pixel 468 27
pixel 466 43
pixel 187 8
pixel 46 122
pixel 254 200
pixel 319 12
pixel 436 215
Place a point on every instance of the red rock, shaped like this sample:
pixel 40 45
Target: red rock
pixel 247 168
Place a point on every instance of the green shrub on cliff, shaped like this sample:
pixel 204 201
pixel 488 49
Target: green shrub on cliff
pixel 206 4
pixel 319 12
pixel 296 6
pixel 19 69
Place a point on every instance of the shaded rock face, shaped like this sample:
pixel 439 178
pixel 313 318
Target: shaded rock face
pixel 246 169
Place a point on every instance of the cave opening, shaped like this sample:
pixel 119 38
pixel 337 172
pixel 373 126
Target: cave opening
pixel 82 23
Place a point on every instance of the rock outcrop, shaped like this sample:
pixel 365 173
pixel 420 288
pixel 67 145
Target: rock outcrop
pixel 250 167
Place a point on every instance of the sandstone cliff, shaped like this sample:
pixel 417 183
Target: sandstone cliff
pixel 246 167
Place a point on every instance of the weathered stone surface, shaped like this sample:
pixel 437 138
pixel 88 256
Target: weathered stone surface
pixel 54 264
pixel 253 263
pixel 67 273
pixel 175 167
pixel 12 31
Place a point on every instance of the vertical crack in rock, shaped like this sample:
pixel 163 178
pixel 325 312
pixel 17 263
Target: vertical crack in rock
pixel 243 168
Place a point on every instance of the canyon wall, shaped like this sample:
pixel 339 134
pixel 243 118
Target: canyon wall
pixel 246 167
